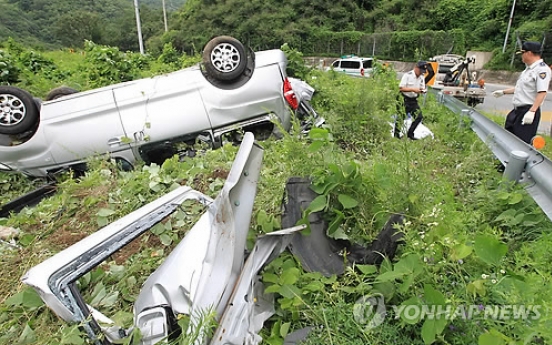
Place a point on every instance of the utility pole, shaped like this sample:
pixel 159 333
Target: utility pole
pixel 509 24
pixel 138 26
pixel 165 17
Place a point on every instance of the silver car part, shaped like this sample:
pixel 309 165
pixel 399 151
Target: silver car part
pixel 123 118
pixel 12 110
pixel 214 276
pixel 225 57
pixel 305 112
pixel 248 307
pixel 55 278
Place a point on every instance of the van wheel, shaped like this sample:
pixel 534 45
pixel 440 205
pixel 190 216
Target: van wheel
pixel 60 92
pixel 18 111
pixel 224 58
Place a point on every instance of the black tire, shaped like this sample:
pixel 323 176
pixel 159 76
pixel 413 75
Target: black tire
pixel 38 103
pixel 60 92
pixel 18 111
pixel 224 58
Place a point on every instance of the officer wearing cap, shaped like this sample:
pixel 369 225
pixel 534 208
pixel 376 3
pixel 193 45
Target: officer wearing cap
pixel 411 86
pixel 529 93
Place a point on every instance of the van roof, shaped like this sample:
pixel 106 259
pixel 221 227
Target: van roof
pixel 356 58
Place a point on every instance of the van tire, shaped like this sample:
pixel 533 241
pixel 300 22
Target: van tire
pixel 224 58
pixel 60 92
pixel 20 112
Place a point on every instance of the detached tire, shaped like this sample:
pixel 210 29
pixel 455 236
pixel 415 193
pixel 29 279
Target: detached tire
pixel 18 110
pixel 224 58
pixel 60 92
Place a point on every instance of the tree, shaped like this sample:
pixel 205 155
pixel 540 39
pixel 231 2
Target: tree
pixel 73 28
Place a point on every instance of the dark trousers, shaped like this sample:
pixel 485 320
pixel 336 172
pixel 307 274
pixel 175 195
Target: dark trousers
pixel 413 109
pixel 524 132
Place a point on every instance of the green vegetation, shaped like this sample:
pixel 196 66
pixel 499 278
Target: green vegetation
pixel 470 239
pixel 408 29
pixel 70 23
pixel 95 66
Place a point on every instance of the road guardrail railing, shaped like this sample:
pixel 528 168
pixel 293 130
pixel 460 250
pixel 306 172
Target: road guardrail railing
pixel 524 163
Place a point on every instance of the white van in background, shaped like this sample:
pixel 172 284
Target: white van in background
pixel 355 66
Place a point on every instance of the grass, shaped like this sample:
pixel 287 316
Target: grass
pixel 469 238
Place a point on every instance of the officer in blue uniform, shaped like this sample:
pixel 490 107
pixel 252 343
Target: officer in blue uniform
pixel 529 93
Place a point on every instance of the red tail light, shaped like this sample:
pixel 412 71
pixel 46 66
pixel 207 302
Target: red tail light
pixel 289 95
pixel 362 72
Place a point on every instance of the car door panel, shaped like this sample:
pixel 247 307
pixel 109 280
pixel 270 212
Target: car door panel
pixel 164 107
pixel 82 125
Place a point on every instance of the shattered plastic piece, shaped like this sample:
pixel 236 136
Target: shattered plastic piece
pixel 319 253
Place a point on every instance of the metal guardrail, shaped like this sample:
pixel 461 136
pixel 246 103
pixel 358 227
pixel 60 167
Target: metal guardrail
pixel 536 169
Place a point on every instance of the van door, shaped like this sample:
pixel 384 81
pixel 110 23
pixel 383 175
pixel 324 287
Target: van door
pixel 164 108
pixel 82 125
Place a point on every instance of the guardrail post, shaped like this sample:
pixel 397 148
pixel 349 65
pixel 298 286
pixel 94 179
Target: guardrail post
pixel 441 97
pixel 464 113
pixel 515 166
pixel 503 144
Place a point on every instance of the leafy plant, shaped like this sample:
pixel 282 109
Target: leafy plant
pixel 169 54
pixel 36 62
pixel 9 72
pixel 296 65
pixel 108 65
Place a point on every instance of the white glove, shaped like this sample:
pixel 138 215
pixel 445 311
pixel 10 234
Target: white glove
pixel 528 118
pixel 498 93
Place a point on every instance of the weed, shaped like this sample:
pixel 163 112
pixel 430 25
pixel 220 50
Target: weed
pixel 469 240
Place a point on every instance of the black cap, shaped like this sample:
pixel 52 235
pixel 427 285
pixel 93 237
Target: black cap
pixel 530 46
pixel 422 65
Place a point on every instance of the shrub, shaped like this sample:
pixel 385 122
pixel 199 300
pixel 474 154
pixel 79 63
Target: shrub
pixel 9 72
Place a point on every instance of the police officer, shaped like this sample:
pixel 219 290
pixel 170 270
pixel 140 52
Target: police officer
pixel 529 93
pixel 411 86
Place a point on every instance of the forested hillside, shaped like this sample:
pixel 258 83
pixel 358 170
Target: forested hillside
pixel 264 23
pixel 485 20
pixel 68 23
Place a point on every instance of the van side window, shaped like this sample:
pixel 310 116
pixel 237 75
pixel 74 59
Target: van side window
pixel 367 63
pixel 335 64
pixel 350 64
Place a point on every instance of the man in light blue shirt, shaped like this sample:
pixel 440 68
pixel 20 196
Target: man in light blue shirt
pixel 529 93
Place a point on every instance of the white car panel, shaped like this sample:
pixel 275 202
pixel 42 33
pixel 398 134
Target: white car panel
pixel 216 275
pixel 92 127
pixel 226 107
pixel 167 107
